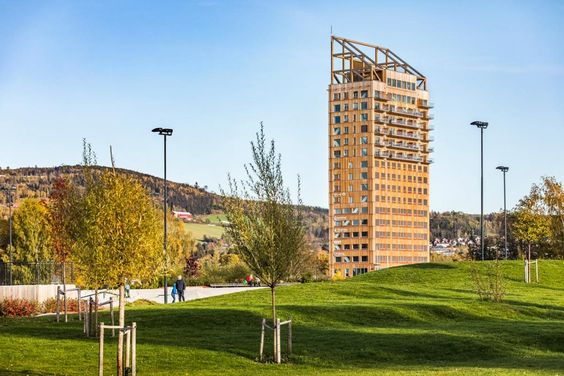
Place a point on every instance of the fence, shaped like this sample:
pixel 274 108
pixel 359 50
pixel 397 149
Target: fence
pixel 35 273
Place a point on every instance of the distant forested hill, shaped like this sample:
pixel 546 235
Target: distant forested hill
pixel 36 182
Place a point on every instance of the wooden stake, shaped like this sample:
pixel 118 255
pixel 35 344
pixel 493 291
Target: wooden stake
pixel 112 316
pixel 290 337
pixel 57 309
pixel 134 349
pixel 261 349
pixel 278 353
pixel 79 305
pixel 101 351
pixel 128 348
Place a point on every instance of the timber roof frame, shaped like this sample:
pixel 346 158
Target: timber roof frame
pixel 361 61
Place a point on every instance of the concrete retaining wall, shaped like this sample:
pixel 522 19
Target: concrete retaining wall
pixel 38 293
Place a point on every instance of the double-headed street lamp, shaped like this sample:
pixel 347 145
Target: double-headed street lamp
pixel 164 132
pixel 482 125
pixel 504 169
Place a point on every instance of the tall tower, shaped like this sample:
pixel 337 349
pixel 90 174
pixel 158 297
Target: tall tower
pixel 379 157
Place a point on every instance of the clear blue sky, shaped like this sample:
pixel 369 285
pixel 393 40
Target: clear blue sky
pixel 110 71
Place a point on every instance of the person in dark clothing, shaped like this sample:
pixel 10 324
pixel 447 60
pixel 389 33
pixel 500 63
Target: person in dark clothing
pixel 180 287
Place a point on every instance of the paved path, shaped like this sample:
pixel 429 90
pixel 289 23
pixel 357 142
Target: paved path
pixel 191 293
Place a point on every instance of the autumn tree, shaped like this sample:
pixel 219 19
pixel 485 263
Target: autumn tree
pixel 552 193
pixel 532 224
pixel 121 237
pixel 266 228
pixel 64 211
pixel 32 241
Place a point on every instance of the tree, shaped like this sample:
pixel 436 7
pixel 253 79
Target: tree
pixel 553 196
pixel 532 224
pixel 121 237
pixel 180 245
pixel 266 228
pixel 64 207
pixel 32 241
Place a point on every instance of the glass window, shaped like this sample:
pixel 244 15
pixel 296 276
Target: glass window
pixel 346 130
pixel 355 106
pixel 364 117
pixel 337 119
pixel 337 154
pixel 355 223
pixel 355 258
pixel 337 142
pixel 337 108
pixel 337 131
pixel 364 94
pixel 364 140
pixel 364 164
pixel 364 106
pixel 364 258
pixel 364 128
pixel 364 199
pixel 364 187
pixel 364 152
pixel 355 210
pixel 364 210
pixel 355 94
pixel 337 211
pixel 364 175
pixel 346 107
pixel 338 259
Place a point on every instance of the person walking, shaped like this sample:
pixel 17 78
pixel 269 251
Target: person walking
pixel 180 287
pixel 173 292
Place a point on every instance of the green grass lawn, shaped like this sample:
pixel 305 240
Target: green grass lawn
pixel 198 230
pixel 414 320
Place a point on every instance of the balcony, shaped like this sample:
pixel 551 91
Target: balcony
pixel 408 136
pixel 425 103
pixel 403 123
pixel 380 131
pixel 379 120
pixel 379 143
pixel 381 96
pixel 400 145
pixel 398 156
pixel 403 111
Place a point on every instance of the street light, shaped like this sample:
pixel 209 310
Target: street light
pixel 482 125
pixel 9 191
pixel 164 132
pixel 504 169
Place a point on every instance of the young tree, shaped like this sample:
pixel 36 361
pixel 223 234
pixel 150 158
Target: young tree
pixel 266 228
pixel 64 207
pixel 532 224
pixel 553 197
pixel 32 241
pixel 121 237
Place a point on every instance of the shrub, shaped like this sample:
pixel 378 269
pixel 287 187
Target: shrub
pixel 488 284
pixel 50 305
pixel 17 307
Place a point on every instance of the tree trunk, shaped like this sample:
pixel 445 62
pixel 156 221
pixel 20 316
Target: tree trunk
pixel 120 332
pixel 65 290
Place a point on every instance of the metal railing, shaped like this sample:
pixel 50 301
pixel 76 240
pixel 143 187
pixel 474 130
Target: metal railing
pixel 35 273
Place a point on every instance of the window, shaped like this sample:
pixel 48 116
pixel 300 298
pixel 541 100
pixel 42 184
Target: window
pixel 336 96
pixel 364 94
pixel 350 176
pixel 346 130
pixel 364 187
pixel 337 108
pixel 364 234
pixel 337 142
pixel 337 131
pixel 365 246
pixel 364 258
pixel 346 141
pixel 355 94
pixel 337 120
pixel 364 140
pixel 337 154
pixel 364 199
pixel 345 95
pixel 337 211
pixel 338 259
pixel 364 175
pixel 364 152
pixel 364 210
pixel 346 107
pixel 364 117
pixel 355 210
pixel 346 119
pixel 363 106
pixel 355 106
pixel 364 128
pixel 355 258
pixel 364 164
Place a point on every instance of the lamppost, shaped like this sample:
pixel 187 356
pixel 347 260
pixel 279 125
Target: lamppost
pixel 9 191
pixel 482 125
pixel 504 169
pixel 164 132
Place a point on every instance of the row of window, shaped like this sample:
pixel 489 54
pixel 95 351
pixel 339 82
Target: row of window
pixel 401 235
pixel 345 95
pixel 401 84
pixel 400 259
pixel 348 247
pixel 338 199
pixel 337 119
pixel 401 247
pixel 337 130
pixel 385 164
pixel 401 223
pixel 380 210
pixel 355 107
pixel 354 234
pixel 361 140
pixel 400 189
pixel 354 259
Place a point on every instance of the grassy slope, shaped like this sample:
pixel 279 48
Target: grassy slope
pixel 411 320
pixel 198 230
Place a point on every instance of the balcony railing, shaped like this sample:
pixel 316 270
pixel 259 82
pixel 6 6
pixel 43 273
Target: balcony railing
pixel 403 123
pixel 381 96
pixel 402 111
pixel 425 104
pixel 399 145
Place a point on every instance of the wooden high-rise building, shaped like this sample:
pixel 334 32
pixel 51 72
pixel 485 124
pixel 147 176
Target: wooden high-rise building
pixel 379 157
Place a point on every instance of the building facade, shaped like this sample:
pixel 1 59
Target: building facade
pixel 379 157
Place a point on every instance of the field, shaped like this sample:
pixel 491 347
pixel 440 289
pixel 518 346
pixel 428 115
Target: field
pixel 198 230
pixel 413 320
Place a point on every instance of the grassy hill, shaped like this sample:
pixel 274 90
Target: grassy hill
pixel 413 320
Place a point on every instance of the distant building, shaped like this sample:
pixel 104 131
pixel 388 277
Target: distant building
pixel 185 216
pixel 379 156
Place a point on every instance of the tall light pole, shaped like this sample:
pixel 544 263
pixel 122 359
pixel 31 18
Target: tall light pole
pixel 482 125
pixel 9 191
pixel 504 169
pixel 164 132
